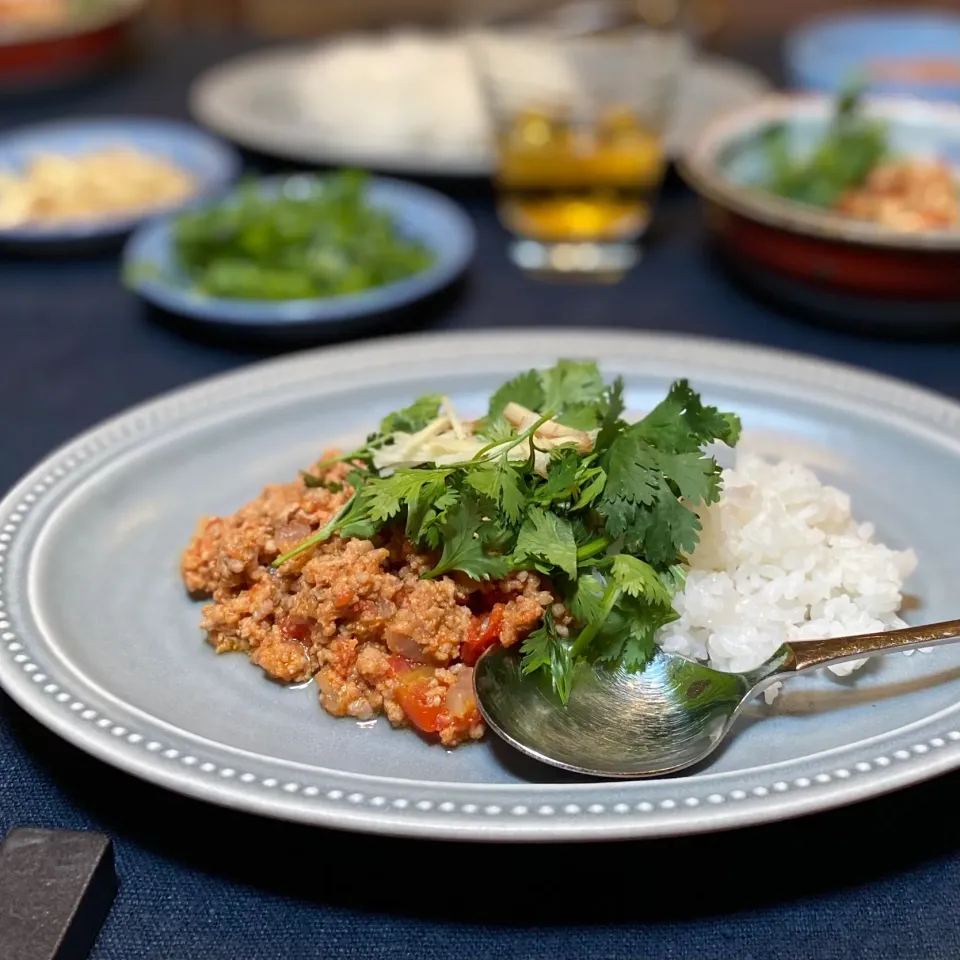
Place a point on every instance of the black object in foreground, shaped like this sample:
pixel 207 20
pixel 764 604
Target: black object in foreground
pixel 56 888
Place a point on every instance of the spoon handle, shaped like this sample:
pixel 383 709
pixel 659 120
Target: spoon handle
pixel 808 654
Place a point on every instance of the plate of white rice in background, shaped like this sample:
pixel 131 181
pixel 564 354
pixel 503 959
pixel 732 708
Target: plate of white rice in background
pixel 374 100
pixel 837 516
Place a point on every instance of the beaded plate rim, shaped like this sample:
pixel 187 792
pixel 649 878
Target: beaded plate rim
pixel 444 810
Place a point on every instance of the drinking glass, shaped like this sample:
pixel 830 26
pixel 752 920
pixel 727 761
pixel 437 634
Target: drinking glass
pixel 580 95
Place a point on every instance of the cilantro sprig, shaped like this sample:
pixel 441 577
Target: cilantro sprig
pixel 609 522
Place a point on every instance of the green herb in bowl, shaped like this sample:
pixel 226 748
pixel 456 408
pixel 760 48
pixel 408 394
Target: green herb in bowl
pixel 315 237
pixel 843 159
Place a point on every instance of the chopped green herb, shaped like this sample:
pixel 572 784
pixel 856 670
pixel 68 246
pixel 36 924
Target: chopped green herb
pixel 413 418
pixel 843 158
pixel 609 526
pixel 545 650
pixel 546 542
pixel 312 481
pixel 315 237
pixel 463 546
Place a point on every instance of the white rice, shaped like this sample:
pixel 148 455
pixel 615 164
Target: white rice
pixel 782 558
pixel 409 90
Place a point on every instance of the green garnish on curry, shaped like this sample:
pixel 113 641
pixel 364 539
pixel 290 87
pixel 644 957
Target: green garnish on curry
pixel 552 479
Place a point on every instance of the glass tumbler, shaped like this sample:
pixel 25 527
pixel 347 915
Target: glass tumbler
pixel 580 95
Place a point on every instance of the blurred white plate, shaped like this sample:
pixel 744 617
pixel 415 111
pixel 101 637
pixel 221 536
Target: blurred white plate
pixel 254 101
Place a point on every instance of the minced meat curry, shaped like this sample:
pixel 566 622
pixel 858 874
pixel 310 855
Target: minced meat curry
pixel 354 614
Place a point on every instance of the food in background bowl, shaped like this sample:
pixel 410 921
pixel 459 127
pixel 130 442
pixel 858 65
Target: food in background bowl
pixel 113 181
pixel 314 237
pixel 905 195
pixel 33 12
pixel 853 170
pixel 867 235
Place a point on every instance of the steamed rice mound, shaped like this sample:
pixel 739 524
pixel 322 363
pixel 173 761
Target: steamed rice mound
pixel 781 558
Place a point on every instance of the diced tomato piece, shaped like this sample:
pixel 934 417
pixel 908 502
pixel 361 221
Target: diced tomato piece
pixel 411 693
pixel 296 628
pixel 481 634
pixel 343 599
pixel 400 665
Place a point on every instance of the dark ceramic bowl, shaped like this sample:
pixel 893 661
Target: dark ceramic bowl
pixel 840 268
pixel 35 57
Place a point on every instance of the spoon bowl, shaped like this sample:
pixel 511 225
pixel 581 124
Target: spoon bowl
pixel 667 717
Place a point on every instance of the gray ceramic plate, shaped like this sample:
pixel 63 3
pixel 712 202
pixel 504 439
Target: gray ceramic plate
pixel 99 642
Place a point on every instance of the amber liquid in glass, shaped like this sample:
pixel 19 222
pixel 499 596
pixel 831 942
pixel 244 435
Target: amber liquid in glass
pixel 565 182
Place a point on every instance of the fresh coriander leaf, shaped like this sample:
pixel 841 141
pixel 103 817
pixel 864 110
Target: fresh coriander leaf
pixel 633 476
pixel 585 604
pixel 626 521
pixel 734 428
pixel 525 389
pixel 583 532
pixel 410 419
pixel 613 407
pixel 545 650
pixel 432 498
pixel 355 520
pixel 511 492
pixel 674 578
pixel 696 477
pixel 496 536
pixel 571 384
pixel 483 479
pixel 562 477
pixel 640 645
pixel 497 431
pixel 579 416
pixel 357 478
pixel 383 499
pixel 597 481
pixel 681 423
pixel 462 547
pixel 650 464
pixel 436 517
pixel 638 579
pixel 387 496
pixel 546 537
pixel 672 530
pixel 362 528
pixel 500 482
pixel 628 635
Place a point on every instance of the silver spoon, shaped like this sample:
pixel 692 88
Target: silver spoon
pixel 669 716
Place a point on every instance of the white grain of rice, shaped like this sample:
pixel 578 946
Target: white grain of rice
pixel 782 558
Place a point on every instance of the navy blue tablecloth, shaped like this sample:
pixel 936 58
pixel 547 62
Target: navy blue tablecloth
pixel 880 879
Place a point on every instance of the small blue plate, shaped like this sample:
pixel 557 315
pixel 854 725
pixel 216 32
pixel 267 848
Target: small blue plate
pixel 895 52
pixel 420 214
pixel 213 164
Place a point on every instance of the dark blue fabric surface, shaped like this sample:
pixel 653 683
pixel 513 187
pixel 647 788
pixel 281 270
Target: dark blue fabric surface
pixel 877 880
